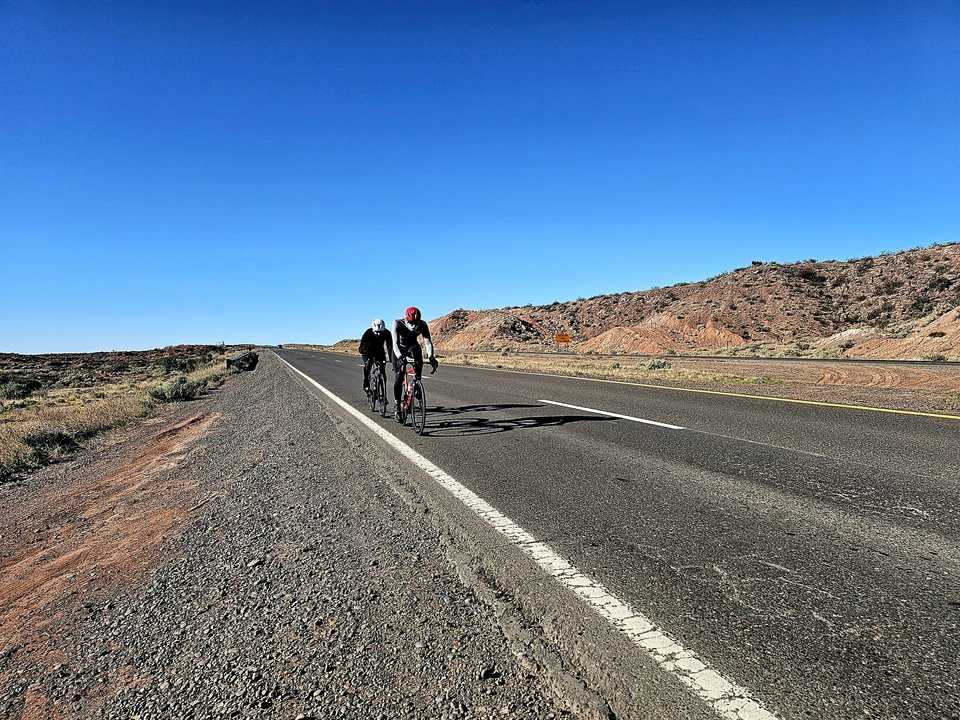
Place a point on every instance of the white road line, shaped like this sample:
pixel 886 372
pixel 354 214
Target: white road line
pixel 616 415
pixel 727 699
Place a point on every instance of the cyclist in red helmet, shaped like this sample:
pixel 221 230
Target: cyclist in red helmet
pixel 406 331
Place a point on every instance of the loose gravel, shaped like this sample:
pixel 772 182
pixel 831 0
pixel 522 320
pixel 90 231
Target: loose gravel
pixel 298 584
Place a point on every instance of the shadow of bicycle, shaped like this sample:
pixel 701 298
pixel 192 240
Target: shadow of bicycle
pixel 486 426
pixel 488 407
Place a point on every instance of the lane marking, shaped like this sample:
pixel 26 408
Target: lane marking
pixel 616 415
pixel 844 406
pixel 726 698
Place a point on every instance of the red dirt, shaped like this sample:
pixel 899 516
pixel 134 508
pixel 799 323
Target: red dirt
pixel 98 531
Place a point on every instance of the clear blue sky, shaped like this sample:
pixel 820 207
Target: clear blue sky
pixel 196 172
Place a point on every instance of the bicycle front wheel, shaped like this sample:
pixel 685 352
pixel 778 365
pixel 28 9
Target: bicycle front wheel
pixel 419 409
pixel 374 382
pixel 381 396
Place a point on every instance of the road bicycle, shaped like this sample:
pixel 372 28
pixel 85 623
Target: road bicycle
pixel 378 389
pixel 413 399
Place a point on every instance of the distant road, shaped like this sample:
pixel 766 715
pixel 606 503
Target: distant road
pixel 809 552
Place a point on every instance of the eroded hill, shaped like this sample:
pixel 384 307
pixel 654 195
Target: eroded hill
pixel 901 305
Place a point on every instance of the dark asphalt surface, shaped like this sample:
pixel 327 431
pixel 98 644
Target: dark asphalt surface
pixel 810 553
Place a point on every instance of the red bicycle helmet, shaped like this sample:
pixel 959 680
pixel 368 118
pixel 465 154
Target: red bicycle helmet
pixel 412 314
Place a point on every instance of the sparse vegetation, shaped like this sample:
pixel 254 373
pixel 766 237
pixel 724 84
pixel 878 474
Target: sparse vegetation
pixel 177 390
pixel 939 283
pixel 50 405
pixel 810 275
pixel 18 389
pixel 890 286
pixel 658 364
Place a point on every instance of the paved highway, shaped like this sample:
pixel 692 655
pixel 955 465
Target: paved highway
pixel 809 553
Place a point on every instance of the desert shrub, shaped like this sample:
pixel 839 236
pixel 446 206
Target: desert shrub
pixel 888 287
pixel 756 262
pixel 940 282
pixel 17 389
pixel 936 333
pixel 178 389
pixel 176 363
pixel 810 275
pixel 615 365
pixel 937 357
pixel 658 364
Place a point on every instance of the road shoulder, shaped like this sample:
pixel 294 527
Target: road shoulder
pixel 290 578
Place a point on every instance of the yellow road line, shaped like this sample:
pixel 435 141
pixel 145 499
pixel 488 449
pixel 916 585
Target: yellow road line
pixel 845 406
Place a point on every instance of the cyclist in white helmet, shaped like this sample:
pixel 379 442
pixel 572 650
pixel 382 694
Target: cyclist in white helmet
pixel 375 344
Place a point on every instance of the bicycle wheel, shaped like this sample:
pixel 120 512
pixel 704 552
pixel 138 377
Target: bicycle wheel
pixel 419 409
pixel 381 396
pixel 372 396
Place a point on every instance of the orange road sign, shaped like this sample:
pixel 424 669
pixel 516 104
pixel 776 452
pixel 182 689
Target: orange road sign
pixel 563 339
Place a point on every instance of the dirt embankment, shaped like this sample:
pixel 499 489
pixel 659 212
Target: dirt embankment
pixel 91 531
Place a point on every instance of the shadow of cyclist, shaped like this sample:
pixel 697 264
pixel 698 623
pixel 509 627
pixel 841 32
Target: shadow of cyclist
pixel 487 426
pixel 489 407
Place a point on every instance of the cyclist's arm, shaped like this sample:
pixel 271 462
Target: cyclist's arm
pixel 388 343
pixel 428 343
pixel 396 334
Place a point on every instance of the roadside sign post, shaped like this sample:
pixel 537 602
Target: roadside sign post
pixel 562 339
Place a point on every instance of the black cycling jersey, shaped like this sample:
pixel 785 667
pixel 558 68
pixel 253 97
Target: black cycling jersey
pixel 405 336
pixel 375 344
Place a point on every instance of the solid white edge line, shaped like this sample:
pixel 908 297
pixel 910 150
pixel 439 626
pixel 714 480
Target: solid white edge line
pixel 726 698
pixel 613 414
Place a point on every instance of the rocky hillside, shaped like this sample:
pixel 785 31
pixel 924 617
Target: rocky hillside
pixel 898 305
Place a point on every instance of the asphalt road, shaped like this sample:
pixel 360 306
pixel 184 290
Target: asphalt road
pixel 808 552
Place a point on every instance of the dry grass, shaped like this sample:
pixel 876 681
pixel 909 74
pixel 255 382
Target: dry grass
pixel 51 423
pixel 40 434
pixel 192 385
pixel 620 368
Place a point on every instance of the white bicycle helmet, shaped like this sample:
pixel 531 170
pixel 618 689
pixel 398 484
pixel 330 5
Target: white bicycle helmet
pixel 377 325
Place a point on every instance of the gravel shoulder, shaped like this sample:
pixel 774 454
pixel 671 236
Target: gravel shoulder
pixel 245 555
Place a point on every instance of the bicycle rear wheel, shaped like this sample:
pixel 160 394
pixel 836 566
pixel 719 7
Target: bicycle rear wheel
pixel 419 409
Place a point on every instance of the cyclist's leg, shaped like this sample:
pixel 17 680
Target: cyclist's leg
pixel 397 380
pixel 367 364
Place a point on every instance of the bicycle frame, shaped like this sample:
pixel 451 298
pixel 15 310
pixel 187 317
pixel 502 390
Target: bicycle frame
pixel 409 380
